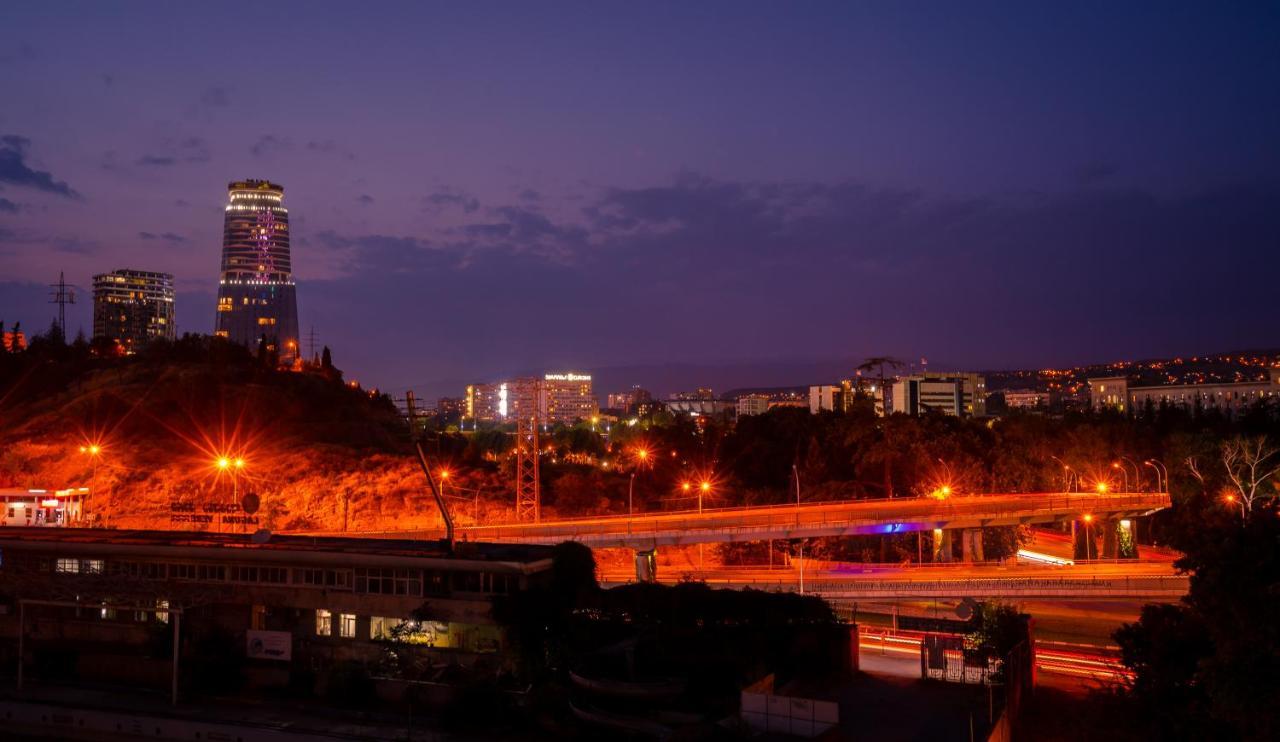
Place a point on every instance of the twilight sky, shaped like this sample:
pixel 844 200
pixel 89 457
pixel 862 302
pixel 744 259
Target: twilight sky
pixel 480 189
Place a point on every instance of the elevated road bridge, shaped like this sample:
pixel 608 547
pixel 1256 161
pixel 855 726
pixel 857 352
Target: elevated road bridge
pixel 832 518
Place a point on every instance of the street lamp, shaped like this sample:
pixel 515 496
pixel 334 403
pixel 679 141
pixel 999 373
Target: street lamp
pixel 1137 473
pixel 1088 536
pixel 1102 488
pixel 1067 473
pixel 1160 470
pixel 1232 499
pixel 1124 474
pixel 631 486
pixel 796 471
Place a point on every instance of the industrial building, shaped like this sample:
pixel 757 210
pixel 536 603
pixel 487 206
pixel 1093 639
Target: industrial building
pixel 280 609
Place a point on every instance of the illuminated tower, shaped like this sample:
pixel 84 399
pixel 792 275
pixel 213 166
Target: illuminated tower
pixel 256 297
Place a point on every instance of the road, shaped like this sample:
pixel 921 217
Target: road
pixel 1113 580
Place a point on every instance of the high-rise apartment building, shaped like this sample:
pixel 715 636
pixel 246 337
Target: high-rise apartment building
pixel 133 307
pixel 256 295
pixel 567 398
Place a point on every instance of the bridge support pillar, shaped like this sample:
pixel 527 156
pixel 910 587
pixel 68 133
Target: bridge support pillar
pixel 941 545
pixel 647 565
pixel 1084 539
pixel 971 545
pixel 1118 540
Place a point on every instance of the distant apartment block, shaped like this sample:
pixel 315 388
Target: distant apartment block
pixel 959 394
pixel 133 307
pixel 1115 392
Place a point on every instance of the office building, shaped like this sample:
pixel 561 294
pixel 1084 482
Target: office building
pixel 1025 399
pixel 959 394
pixel 752 404
pixel 256 294
pixel 1115 392
pixel 841 397
pixel 133 307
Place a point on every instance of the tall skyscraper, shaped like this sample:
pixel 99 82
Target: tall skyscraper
pixel 256 295
pixel 133 307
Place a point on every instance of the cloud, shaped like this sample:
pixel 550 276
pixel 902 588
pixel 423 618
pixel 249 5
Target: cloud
pixel 172 152
pixel 9 206
pixel 1096 172
pixel 364 199
pixel 14 169
pixel 329 147
pixel 215 96
pixel 108 80
pixel 166 236
pixel 270 144
pixel 446 197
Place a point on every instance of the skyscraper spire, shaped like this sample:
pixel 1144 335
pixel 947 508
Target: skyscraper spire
pixel 256 294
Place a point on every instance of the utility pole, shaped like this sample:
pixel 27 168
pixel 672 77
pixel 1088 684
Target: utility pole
pixel 62 295
pixel 528 489
pixel 312 338
pixel 411 414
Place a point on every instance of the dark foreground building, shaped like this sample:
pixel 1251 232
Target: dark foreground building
pixel 256 293
pixel 247 611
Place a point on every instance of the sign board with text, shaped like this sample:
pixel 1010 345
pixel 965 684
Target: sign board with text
pixel 269 645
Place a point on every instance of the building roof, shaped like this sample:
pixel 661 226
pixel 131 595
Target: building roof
pixel 210 545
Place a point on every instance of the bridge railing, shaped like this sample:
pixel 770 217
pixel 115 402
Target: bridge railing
pixel 864 512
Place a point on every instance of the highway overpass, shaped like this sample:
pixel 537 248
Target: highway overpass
pixel 834 518
pixel 1104 581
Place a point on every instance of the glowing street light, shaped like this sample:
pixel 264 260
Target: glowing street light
pixel 1102 488
pixel 1231 499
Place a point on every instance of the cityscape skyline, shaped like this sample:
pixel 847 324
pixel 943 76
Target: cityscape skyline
pixel 593 235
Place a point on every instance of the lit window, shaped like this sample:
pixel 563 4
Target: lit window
pixel 347 625
pixel 380 627
pixel 68 566
pixel 324 623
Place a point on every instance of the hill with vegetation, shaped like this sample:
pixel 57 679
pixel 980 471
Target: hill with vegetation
pixel 312 447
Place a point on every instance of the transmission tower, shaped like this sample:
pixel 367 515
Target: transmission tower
pixel 62 295
pixel 528 493
pixel 312 338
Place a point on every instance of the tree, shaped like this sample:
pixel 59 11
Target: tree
pixel 1248 463
pixel 326 359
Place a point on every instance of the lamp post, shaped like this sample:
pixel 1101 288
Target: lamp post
pixel 1137 473
pixel 1232 499
pixel 631 486
pixel 703 488
pixel 1067 473
pixel 1088 537
pixel 1124 474
pixel 1161 472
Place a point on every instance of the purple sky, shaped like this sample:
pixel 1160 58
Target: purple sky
pixel 479 189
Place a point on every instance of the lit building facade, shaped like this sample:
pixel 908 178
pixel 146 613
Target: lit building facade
pixel 841 397
pixel 567 398
pixel 256 294
pixel 753 404
pixel 1116 393
pixel 556 399
pixel 959 394
pixel 133 307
